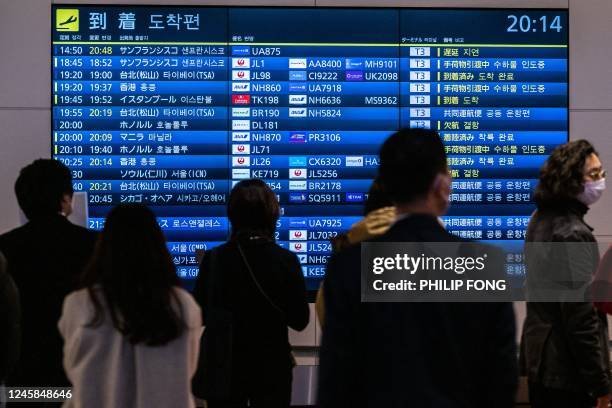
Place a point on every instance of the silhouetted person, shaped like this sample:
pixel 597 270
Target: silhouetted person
pixel 45 258
pixel 565 350
pixel 131 334
pixel 261 286
pixel 412 354
pixel 10 317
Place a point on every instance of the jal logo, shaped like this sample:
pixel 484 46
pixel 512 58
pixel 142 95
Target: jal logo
pixel 241 161
pixel 297 173
pixel 241 149
pixel 298 235
pixel 241 63
pixel 297 246
pixel 241 75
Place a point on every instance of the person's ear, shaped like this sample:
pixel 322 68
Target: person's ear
pixel 66 204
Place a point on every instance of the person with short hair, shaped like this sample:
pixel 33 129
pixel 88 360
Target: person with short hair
pixel 131 333
pixel 412 354
pixel 46 257
pixel 564 349
pixel 261 286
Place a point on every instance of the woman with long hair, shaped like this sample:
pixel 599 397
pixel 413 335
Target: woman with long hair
pixel 251 291
pixel 131 333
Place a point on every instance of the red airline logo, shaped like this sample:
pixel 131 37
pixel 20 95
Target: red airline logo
pixel 241 99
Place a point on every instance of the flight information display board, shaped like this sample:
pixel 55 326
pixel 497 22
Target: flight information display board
pixel 170 106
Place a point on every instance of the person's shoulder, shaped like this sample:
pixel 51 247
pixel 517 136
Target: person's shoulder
pixel 191 309
pixel 13 235
pixel 78 303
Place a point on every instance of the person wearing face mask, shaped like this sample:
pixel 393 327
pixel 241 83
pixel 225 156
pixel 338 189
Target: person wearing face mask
pixel 45 259
pixel 417 355
pixel 564 349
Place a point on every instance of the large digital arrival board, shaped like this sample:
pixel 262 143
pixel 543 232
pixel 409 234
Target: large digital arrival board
pixel 171 106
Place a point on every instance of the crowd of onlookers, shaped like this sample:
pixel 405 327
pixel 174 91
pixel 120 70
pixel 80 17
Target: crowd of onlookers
pixel 105 313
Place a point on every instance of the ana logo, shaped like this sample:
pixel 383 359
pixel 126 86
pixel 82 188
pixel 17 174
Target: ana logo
pixel 241 87
pixel 297 63
pixel 241 62
pixel 241 75
pixel 297 99
pixel 297 112
pixel 67 20
pixel 354 161
pixel 303 258
pixel 241 136
pixel 241 50
pixel 241 99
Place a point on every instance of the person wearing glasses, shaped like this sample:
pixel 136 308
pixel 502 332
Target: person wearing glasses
pixel 564 350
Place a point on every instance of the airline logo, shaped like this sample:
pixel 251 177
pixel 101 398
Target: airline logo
pixel 241 87
pixel 353 63
pixel 241 161
pixel 297 99
pixel 354 161
pixel 297 246
pixel 354 197
pixel 296 137
pixel 241 99
pixel 297 198
pixel 297 87
pixel 297 75
pixel 296 222
pixel 241 50
pixel 241 174
pixel 297 161
pixel 241 75
pixel 303 258
pixel 241 63
pixel 298 235
pixel 241 136
pixel 241 125
pixel 297 63
pixel 297 173
pixel 354 75
pixel 241 149
pixel 297 185
pixel 298 112
pixel 241 112
pixel 305 271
